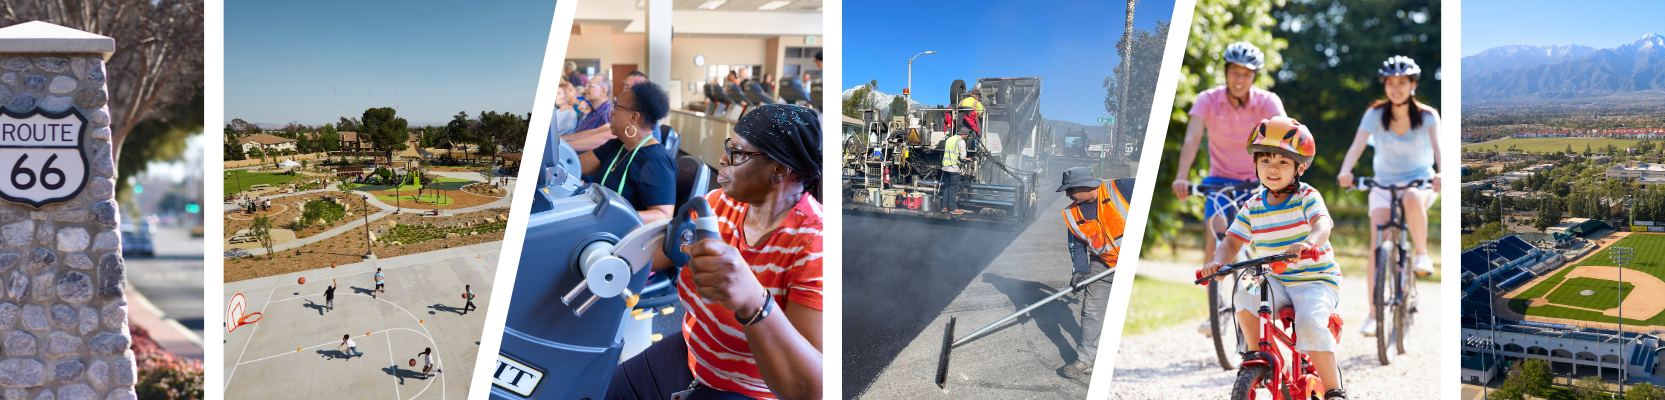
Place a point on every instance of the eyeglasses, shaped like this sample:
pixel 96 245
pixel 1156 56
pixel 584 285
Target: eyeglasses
pixel 729 152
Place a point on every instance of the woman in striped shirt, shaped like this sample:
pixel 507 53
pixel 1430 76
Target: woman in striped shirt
pixel 753 326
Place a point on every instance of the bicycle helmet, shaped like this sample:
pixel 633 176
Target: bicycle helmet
pixel 1245 54
pixel 1399 66
pixel 1283 135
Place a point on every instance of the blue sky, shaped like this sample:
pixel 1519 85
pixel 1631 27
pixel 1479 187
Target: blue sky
pixel 1072 47
pixel 282 59
pixel 1599 24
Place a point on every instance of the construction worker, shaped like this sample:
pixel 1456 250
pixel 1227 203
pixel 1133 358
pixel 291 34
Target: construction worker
pixel 1096 218
pixel 972 107
pixel 953 153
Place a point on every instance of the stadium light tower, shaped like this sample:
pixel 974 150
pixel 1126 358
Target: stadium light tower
pixel 1491 249
pixel 1621 256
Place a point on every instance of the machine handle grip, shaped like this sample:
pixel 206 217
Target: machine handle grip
pixel 694 221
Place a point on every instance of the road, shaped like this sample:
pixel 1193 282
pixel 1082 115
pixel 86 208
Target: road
pixel 1178 363
pixel 173 279
pixel 909 277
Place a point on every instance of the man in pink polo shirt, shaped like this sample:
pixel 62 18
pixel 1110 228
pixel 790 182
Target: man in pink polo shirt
pixel 1226 114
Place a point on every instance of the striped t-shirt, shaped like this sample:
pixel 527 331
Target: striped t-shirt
pixel 1273 228
pixel 787 263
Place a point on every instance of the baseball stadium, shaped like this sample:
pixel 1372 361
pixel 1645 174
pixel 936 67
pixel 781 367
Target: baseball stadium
pixel 1560 296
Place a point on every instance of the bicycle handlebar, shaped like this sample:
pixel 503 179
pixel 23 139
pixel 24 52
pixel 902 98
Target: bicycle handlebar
pixel 1276 258
pixel 1363 183
pixel 1214 187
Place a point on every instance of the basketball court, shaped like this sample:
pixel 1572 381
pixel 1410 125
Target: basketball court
pixel 287 345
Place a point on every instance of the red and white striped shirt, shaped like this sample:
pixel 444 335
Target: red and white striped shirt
pixel 788 264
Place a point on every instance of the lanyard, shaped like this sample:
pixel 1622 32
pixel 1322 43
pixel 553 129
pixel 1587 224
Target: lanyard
pixel 615 163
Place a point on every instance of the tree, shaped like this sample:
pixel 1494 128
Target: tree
pixel 860 99
pixel 898 106
pixel 1215 24
pixel 261 229
pixel 328 138
pixel 384 128
pixel 1549 213
pixel 1645 391
pixel 1590 388
pixel 158 64
pixel 1539 378
pixel 1136 81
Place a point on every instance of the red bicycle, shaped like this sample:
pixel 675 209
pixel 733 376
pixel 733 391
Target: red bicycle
pixel 1287 377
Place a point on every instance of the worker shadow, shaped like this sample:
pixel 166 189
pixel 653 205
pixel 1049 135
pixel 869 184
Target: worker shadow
pixel 1053 319
pixel 445 308
pixel 402 373
pixel 315 306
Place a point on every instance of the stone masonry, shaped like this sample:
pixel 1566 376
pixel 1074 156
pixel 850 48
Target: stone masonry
pixel 63 308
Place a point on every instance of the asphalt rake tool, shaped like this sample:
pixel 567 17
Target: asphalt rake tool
pixel 948 342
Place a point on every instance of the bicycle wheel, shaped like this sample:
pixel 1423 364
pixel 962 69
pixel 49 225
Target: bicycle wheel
pixel 1384 298
pixel 1244 388
pixel 1222 320
pixel 1404 305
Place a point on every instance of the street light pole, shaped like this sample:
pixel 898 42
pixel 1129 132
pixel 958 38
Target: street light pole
pixel 908 93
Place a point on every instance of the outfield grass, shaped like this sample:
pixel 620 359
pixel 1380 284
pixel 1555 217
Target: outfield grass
pixel 1156 304
pixel 1605 296
pixel 1551 145
pixel 240 180
pixel 1649 259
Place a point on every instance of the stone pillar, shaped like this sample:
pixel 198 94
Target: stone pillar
pixel 63 310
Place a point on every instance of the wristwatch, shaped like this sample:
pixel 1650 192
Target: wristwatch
pixel 762 312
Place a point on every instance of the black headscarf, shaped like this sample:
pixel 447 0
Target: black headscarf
pixel 788 134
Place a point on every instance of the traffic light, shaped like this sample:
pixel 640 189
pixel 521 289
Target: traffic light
pixel 192 208
pixel 138 189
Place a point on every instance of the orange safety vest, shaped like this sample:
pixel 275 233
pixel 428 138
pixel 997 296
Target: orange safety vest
pixel 1102 234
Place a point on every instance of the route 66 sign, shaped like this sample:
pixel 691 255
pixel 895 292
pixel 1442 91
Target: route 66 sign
pixel 41 158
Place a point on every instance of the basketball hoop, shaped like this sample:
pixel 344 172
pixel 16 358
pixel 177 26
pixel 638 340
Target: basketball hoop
pixel 234 313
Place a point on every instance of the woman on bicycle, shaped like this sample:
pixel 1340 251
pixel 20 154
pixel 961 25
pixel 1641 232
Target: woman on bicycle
pixel 1405 134
pixel 1226 114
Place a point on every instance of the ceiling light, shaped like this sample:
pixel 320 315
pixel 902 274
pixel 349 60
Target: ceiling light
pixel 712 4
pixel 773 5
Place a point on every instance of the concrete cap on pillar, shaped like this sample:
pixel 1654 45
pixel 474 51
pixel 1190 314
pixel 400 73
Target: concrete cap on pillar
pixel 42 37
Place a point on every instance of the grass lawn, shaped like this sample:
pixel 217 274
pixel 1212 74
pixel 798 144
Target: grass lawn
pixel 240 180
pixel 444 184
pixel 427 198
pixel 1156 304
pixel 1606 294
pixel 1551 145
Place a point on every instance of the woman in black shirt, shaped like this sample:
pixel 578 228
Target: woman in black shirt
pixel 636 165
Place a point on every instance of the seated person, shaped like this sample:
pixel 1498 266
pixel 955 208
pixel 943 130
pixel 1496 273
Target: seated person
pixel 592 131
pixel 566 114
pixel 636 165
pixel 753 329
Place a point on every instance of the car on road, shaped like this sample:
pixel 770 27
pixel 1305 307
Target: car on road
pixel 136 241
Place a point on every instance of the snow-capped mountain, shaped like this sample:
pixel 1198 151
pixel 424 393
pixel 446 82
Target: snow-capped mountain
pixel 881 99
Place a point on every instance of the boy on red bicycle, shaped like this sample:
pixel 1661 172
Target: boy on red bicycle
pixel 1287 216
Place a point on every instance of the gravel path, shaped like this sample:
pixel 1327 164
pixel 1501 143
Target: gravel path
pixel 1177 362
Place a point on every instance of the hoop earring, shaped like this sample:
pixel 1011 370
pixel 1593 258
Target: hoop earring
pixel 630 131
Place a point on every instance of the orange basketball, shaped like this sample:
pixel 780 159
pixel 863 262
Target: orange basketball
pixel 302 280
pixel 412 362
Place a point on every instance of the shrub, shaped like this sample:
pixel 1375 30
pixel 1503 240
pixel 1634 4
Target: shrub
pixel 163 375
